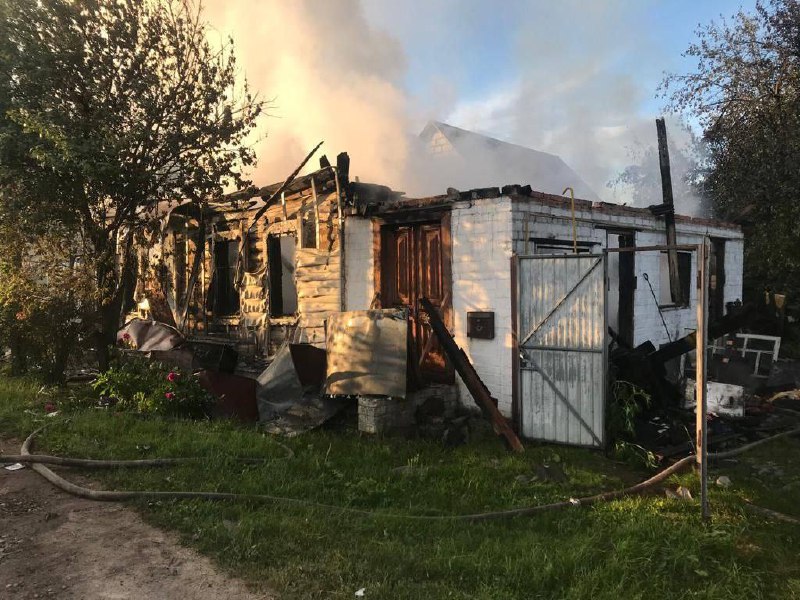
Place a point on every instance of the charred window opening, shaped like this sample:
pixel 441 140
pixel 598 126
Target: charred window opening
pixel 226 296
pixel 308 233
pixel 684 276
pixel 716 303
pixel 281 263
pixel 558 247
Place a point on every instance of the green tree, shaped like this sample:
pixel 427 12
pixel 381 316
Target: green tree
pixel 112 109
pixel 745 92
pixel 47 298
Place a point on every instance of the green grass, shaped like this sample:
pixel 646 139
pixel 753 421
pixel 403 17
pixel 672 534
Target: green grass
pixel 642 547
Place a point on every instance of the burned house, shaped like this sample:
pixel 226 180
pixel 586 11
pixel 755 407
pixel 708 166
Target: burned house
pixel 523 282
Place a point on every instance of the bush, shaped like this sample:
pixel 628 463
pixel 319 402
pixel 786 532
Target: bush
pixel 150 387
pixel 47 299
pixel 626 402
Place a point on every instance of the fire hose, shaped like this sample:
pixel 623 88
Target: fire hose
pixel 38 462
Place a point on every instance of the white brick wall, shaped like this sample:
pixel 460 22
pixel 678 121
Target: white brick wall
pixel 359 268
pixel 555 223
pixel 482 234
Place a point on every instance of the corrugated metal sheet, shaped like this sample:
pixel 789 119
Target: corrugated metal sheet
pixel 562 325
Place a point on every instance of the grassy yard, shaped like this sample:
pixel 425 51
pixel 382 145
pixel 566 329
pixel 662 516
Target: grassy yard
pixel 644 547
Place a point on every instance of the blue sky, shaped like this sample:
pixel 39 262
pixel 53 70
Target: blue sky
pixel 473 45
pixel 576 78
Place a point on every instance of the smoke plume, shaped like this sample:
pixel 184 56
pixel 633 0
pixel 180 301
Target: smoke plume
pixel 336 70
pixel 330 76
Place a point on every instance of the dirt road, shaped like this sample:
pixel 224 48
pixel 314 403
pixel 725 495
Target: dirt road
pixel 53 545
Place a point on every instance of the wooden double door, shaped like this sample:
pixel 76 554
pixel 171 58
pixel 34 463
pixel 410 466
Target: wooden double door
pixel 414 264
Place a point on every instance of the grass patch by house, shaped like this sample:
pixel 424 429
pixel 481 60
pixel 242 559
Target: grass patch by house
pixel 642 547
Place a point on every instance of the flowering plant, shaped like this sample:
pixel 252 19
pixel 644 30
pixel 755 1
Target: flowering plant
pixel 127 341
pixel 151 387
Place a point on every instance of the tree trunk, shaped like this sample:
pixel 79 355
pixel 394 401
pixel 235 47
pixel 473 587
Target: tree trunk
pixel 61 351
pixel 109 300
pixel 19 361
pixel 107 334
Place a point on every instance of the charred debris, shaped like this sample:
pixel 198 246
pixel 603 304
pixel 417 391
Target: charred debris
pixel 326 300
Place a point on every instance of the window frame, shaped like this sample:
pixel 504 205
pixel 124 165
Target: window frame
pixel 275 281
pixel 684 276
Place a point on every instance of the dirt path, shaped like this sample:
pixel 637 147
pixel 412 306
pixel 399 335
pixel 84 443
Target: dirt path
pixel 53 545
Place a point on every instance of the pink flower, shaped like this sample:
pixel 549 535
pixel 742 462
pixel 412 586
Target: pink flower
pixel 172 376
pixel 49 407
pixel 169 395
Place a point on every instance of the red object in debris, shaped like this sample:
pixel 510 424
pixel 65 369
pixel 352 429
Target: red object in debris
pixel 236 395
pixel 49 407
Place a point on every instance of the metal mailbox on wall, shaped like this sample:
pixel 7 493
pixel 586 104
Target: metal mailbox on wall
pixel 480 325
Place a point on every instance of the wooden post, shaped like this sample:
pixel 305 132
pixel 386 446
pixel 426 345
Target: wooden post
pixel 316 212
pixel 669 211
pixel 283 204
pixel 700 375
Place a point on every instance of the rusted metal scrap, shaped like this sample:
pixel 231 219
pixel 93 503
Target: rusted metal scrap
pixel 471 379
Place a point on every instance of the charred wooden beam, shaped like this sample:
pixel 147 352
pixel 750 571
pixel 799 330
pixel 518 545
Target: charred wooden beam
pixel 668 211
pixel 471 379
pixel 282 188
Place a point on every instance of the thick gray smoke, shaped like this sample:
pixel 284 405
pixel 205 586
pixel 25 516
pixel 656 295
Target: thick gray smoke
pixel 336 70
pixel 331 75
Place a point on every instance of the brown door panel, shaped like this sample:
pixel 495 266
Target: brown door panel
pixel 412 267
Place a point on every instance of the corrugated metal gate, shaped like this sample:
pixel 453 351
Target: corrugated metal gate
pixel 562 344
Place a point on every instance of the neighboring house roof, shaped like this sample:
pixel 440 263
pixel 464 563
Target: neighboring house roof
pixel 471 160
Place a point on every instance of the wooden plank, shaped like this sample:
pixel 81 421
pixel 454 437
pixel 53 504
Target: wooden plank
pixel 311 278
pixel 669 214
pixel 700 376
pixel 316 212
pixel 470 378
pixel 321 261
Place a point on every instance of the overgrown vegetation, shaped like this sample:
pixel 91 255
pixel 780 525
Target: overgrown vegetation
pixel 110 110
pixel 643 547
pixel 150 387
pixel 625 403
pixel 745 93
pixel 47 298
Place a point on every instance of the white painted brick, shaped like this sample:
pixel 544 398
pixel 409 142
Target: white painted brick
pixel 359 268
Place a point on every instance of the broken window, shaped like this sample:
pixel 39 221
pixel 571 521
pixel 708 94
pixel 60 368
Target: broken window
pixel 684 277
pixel 282 290
pixel 308 234
pixel 226 296
pixel 560 247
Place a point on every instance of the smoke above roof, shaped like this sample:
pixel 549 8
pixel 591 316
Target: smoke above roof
pixel 336 71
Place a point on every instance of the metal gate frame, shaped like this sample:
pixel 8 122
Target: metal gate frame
pixel 520 341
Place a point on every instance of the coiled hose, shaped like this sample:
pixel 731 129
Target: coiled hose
pixel 37 463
